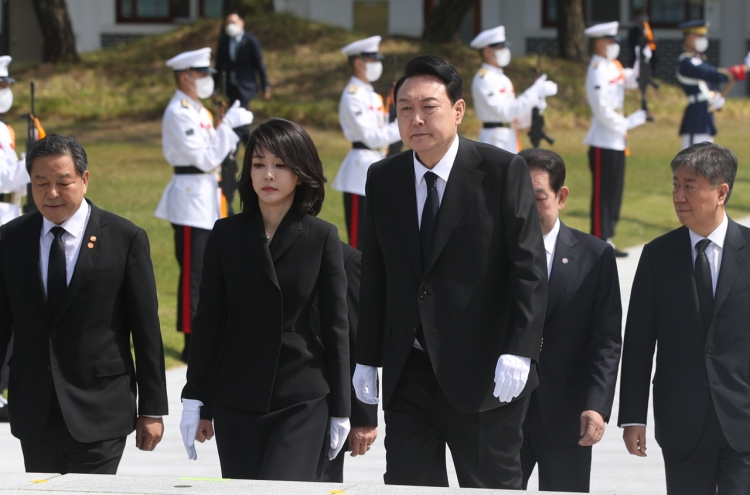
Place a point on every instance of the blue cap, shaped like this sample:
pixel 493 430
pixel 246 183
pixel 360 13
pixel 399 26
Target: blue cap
pixel 697 26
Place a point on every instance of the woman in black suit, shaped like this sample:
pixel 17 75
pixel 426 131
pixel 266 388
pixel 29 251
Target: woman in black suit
pixel 256 368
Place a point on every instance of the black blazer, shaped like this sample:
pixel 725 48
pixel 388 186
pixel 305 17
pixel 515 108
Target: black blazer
pixel 253 345
pixel 484 289
pixel 696 367
pixel 85 353
pixel 580 355
pixel 248 65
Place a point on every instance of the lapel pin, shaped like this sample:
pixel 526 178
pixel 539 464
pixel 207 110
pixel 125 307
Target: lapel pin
pixel 91 245
pixel 565 261
pixel 93 238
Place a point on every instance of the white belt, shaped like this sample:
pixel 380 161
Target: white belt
pixel 698 97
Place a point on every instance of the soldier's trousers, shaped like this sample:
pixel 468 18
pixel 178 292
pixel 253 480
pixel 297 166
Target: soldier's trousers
pixel 354 211
pixel 189 244
pixel 608 181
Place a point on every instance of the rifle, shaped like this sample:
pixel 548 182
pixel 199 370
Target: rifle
pixel 537 133
pixel 228 182
pixel 34 132
pixel 645 78
pixel 390 104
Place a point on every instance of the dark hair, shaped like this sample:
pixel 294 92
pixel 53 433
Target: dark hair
pixel 56 145
pixel 546 161
pixel 430 65
pixel 713 162
pixel 294 146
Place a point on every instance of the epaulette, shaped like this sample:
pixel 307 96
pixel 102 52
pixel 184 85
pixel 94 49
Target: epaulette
pixel 482 72
pixel 353 89
pixel 185 103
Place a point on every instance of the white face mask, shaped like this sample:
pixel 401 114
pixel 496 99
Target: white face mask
pixel 373 71
pixel 701 44
pixel 204 87
pixel 233 30
pixel 6 100
pixel 613 50
pixel 502 57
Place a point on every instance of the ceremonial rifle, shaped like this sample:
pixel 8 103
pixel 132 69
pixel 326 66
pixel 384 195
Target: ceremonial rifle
pixel 537 132
pixel 390 104
pixel 645 78
pixel 229 168
pixel 34 132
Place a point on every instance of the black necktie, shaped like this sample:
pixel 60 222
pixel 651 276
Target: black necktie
pixel 57 280
pixel 431 205
pixel 704 284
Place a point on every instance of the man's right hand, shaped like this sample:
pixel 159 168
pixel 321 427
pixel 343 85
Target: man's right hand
pixel 365 383
pixel 635 440
pixel 237 116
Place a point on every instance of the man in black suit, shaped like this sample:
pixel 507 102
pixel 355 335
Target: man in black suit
pixel 453 292
pixel 691 294
pixel 581 341
pixel 76 284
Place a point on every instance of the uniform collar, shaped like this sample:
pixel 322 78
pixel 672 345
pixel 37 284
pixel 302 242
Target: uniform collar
pixel 360 82
pixel 179 94
pixel 491 68
pixel 598 58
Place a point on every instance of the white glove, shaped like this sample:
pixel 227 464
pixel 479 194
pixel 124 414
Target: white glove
pixel 237 117
pixel 340 428
pixel 543 87
pixel 550 88
pixel 511 374
pixel 636 118
pixel 191 417
pixel 365 383
pixel 747 59
pixel 718 101
pixel 647 53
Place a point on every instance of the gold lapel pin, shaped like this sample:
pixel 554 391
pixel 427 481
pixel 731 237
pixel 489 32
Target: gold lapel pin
pixel 93 238
pixel 91 245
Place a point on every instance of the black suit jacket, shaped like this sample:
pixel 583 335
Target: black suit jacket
pixel 84 353
pixel 484 289
pixel 696 367
pixel 248 65
pixel 253 345
pixel 580 355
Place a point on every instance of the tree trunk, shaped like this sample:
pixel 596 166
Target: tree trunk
pixel 247 7
pixel 570 26
pixel 446 20
pixel 59 41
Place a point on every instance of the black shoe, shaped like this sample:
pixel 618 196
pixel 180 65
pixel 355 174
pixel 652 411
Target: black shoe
pixel 4 418
pixel 620 254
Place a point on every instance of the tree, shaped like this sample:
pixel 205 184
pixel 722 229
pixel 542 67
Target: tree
pixel 57 31
pixel 446 20
pixel 570 26
pixel 247 7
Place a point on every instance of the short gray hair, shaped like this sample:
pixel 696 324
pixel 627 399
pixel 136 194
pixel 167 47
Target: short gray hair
pixel 56 145
pixel 713 162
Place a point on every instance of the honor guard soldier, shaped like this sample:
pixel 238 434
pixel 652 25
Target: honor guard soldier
pixel 606 82
pixel 195 149
pixel 700 80
pixel 362 116
pixel 494 97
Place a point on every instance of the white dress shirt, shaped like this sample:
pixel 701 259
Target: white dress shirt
pixel 442 170
pixel 75 228
pixel 550 243
pixel 715 249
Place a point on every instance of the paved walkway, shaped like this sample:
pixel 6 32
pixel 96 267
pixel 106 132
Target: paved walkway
pixel 613 471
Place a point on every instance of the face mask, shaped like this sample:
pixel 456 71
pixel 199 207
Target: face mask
pixel 502 57
pixel 613 50
pixel 373 71
pixel 6 100
pixel 701 44
pixel 204 87
pixel 233 30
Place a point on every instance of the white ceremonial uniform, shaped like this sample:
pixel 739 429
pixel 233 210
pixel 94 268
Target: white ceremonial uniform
pixel 362 118
pixel 189 138
pixel 495 101
pixel 13 176
pixel 606 82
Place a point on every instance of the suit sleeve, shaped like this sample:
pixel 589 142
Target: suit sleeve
pixel 334 326
pixel 371 328
pixel 362 414
pixel 207 331
pixel 259 66
pixel 639 345
pixel 527 284
pixel 605 337
pixel 143 319
pixel 6 315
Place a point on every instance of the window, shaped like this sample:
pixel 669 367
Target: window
pixel 144 11
pixel 594 11
pixel 669 13
pixel 211 8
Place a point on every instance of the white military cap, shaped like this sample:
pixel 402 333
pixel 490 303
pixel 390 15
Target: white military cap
pixel 605 30
pixel 192 60
pixel 367 47
pixel 5 61
pixel 489 37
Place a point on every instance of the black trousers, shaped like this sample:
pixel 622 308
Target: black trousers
pixel 332 470
pixel 608 183
pixel 563 467
pixel 189 244
pixel 354 211
pixel 282 445
pixel 56 451
pixel 4 368
pixel 420 421
pixel 710 465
